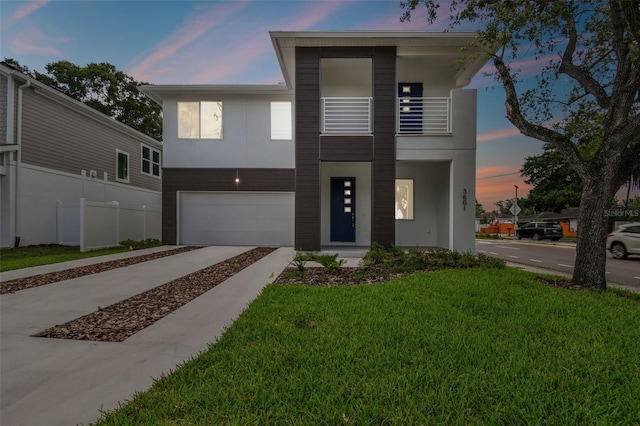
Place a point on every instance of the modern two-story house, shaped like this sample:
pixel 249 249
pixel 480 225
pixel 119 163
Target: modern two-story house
pixel 371 138
pixel 53 150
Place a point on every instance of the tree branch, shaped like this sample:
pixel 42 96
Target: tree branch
pixel 514 115
pixel 581 76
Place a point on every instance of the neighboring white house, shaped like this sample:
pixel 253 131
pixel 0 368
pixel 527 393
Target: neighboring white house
pixel 55 151
pixel 371 138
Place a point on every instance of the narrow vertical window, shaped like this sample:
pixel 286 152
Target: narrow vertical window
pixel 188 120
pixel 211 120
pixel 281 120
pixel 122 166
pixel 404 199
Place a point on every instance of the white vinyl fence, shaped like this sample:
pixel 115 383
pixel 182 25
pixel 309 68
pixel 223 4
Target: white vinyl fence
pixel 93 225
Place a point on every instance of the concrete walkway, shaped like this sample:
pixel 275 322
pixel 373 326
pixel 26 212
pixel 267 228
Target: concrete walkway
pixel 65 382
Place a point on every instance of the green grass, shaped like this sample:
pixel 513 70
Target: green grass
pixel 26 257
pixel 476 346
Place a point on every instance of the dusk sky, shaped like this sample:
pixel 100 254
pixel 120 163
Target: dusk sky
pixel 220 42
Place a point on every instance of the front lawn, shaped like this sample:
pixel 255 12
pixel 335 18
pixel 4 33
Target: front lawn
pixel 26 257
pixel 473 346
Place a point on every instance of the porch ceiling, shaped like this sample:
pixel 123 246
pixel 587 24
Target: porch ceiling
pixel 444 45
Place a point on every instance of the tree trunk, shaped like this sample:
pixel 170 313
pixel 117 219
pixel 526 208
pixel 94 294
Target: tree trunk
pixel 591 254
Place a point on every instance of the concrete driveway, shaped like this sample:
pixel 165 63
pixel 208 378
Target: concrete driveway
pixel 64 382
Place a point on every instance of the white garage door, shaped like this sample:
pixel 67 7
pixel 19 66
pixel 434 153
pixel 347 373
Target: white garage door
pixel 236 218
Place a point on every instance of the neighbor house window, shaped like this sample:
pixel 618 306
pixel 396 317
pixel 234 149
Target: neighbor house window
pixel 122 166
pixel 150 161
pixel 200 120
pixel 404 199
pixel 281 120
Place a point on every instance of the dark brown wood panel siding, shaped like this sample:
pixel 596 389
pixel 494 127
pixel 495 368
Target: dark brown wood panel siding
pixel 307 203
pixel 311 148
pixel 384 150
pixel 346 148
pixel 189 179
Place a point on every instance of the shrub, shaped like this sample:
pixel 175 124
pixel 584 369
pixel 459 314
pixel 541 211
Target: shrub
pixel 329 261
pixel 136 245
pixel 396 260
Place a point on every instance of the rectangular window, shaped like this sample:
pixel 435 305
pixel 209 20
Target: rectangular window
pixel 404 199
pixel 281 120
pixel 122 166
pixel 200 120
pixel 150 161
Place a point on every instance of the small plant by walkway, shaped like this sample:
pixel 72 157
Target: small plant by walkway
pixel 467 346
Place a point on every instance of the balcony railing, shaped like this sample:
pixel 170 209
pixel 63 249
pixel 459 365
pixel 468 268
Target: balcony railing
pixel 346 115
pixel 424 116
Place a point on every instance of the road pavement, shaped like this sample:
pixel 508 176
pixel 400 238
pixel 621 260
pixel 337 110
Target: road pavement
pixel 558 258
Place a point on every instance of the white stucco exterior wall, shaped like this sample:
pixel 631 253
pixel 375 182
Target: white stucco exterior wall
pixel 458 149
pixel 246 141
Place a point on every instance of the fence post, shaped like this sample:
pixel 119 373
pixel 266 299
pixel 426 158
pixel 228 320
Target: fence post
pixel 144 223
pixel 82 213
pixel 117 204
pixel 59 222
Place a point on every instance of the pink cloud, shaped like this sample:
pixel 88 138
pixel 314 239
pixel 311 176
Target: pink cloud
pixel 309 17
pixel 28 9
pixel 193 29
pixel 23 46
pixel 222 66
pixel 31 40
pixel 496 183
pixel 508 132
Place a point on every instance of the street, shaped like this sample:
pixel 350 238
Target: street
pixel 557 257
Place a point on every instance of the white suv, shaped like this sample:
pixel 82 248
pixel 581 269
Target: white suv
pixel 625 240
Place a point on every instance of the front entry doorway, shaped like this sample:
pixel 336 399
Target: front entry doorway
pixel 343 209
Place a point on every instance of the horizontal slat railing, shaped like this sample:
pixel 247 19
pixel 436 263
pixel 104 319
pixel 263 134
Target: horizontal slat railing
pixel 424 115
pixel 346 115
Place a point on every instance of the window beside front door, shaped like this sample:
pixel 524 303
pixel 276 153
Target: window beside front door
pixel 200 120
pixel 404 199
pixel 122 166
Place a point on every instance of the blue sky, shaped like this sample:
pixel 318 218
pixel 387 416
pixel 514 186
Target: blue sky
pixel 219 42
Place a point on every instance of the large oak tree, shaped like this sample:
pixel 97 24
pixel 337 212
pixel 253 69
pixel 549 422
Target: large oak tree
pixel 589 87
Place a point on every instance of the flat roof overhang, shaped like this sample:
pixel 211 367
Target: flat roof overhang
pixel 160 92
pixel 445 46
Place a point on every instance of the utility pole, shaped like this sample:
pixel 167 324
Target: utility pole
pixel 515 210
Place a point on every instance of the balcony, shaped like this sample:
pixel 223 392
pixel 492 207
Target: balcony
pixel 345 115
pixel 415 116
pixel 423 116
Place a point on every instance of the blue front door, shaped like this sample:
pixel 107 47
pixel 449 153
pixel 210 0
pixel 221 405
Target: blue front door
pixel 343 209
pixel 410 95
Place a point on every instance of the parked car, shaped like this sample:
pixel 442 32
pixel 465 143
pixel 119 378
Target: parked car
pixel 540 230
pixel 625 240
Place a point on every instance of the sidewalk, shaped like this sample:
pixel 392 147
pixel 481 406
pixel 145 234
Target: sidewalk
pixel 64 382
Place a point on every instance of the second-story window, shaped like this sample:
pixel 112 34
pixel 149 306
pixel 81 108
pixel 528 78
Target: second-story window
pixel 281 120
pixel 150 161
pixel 200 120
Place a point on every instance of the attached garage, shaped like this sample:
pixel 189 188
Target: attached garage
pixel 236 218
